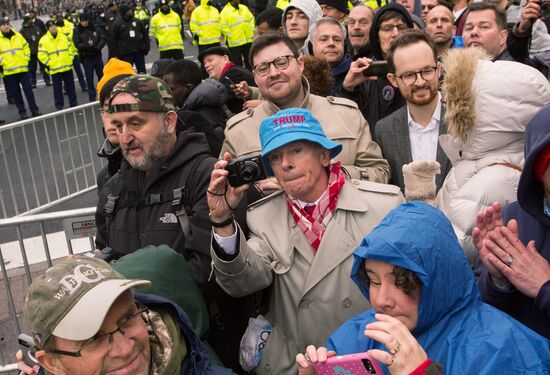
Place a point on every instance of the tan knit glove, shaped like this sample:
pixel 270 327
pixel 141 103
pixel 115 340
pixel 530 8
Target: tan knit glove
pixel 419 177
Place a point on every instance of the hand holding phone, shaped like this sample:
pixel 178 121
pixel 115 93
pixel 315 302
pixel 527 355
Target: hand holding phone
pixel 357 364
pixel 377 68
pixel 28 349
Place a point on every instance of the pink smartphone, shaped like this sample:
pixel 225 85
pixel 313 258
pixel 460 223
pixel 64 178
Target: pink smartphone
pixel 350 364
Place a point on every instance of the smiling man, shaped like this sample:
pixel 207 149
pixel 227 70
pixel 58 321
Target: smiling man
pixel 359 24
pixel 301 238
pixel 411 132
pixel 85 320
pixel 278 74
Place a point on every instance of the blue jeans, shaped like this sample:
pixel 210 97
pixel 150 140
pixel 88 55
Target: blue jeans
pixel 58 80
pixel 14 83
pixel 91 65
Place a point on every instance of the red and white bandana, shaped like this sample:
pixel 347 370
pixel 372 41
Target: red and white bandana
pixel 312 225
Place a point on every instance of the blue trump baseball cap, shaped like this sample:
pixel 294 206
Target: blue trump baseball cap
pixel 291 125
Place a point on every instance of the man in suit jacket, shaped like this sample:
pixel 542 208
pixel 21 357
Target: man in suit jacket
pixel 411 132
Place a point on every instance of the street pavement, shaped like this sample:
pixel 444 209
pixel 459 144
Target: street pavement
pixel 44 94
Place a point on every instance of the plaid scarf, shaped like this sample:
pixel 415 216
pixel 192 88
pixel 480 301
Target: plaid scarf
pixel 312 225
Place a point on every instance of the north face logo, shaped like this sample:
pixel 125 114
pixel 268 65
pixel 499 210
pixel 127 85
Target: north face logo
pixel 168 218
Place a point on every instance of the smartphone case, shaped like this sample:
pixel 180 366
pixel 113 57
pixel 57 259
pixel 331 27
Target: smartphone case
pixel 350 364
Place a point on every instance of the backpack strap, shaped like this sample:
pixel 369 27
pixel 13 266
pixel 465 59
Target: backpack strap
pixel 180 196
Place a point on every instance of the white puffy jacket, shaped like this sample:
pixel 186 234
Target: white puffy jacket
pixel 488 106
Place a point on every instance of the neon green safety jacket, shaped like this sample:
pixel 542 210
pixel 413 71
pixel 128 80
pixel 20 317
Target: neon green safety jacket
pixel 14 54
pixel 205 23
pixel 55 53
pixel 166 28
pixel 237 25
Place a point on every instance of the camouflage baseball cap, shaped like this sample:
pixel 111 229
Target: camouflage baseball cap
pixel 152 95
pixel 72 299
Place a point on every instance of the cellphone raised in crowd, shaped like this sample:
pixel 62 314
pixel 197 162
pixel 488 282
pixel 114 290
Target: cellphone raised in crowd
pixel 28 349
pixel 377 68
pixel 357 364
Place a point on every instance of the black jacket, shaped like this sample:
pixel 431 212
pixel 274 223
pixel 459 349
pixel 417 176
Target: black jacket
pixel 32 35
pixel 133 227
pixel 88 41
pixel 236 74
pixel 208 98
pixel 191 121
pixel 130 36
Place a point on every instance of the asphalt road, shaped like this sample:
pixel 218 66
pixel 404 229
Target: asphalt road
pixel 44 94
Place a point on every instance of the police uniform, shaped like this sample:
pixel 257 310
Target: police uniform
pixel 342 122
pixel 166 28
pixel 205 26
pixel 237 25
pixel 14 59
pixel 55 54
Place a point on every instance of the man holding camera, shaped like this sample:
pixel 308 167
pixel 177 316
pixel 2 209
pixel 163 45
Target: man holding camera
pixel 301 238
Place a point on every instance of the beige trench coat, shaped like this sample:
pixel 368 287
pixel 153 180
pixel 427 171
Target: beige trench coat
pixel 312 294
pixel 342 122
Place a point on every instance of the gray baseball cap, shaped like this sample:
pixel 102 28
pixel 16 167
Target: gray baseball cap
pixel 72 298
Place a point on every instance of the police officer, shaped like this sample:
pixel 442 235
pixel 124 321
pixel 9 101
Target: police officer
pixel 237 25
pixel 32 35
pixel 131 38
pixel 205 26
pixel 89 42
pixel 54 52
pixel 14 60
pixel 166 28
pixel 67 27
pixel 141 13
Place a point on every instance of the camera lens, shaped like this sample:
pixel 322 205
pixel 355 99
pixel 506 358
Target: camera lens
pixel 249 171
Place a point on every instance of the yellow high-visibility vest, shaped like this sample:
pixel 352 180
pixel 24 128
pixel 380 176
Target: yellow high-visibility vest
pixel 205 23
pixel 14 54
pixel 166 28
pixel 55 53
pixel 237 25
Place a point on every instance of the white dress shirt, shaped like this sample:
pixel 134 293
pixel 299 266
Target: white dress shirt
pixel 424 139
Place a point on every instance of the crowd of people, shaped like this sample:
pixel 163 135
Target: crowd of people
pixel 330 180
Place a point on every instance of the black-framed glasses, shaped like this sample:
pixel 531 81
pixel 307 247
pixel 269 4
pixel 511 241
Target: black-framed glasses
pixel 126 324
pixel 389 27
pixel 280 63
pixel 410 78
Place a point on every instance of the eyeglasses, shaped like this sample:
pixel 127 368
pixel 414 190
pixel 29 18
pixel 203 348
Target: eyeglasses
pixel 103 341
pixel 280 63
pixel 389 28
pixel 410 78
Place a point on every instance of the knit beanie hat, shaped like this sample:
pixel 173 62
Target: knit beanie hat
pixel 113 68
pixel 341 5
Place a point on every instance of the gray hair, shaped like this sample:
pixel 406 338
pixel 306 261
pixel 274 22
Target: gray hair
pixel 327 20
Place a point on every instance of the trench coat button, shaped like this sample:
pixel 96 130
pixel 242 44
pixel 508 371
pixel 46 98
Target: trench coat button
pixel 346 303
pixel 249 111
pixel 330 98
pixel 267 367
pixel 303 305
pixel 355 182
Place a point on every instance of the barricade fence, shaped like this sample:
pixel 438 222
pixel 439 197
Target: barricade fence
pixel 48 159
pixel 26 258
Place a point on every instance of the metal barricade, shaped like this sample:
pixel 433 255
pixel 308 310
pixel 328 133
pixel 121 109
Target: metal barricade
pixel 48 159
pixel 34 255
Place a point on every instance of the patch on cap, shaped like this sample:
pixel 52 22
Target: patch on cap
pixel 152 95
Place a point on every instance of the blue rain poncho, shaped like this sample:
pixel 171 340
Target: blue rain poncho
pixel 454 327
